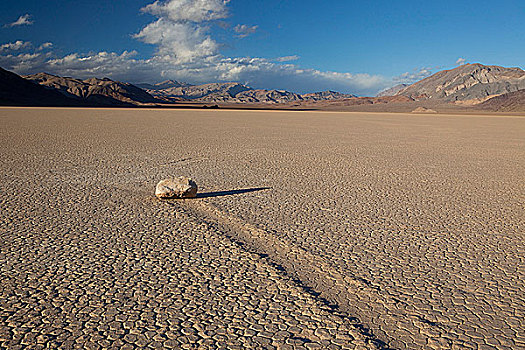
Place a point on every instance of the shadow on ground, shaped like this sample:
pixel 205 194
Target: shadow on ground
pixel 230 192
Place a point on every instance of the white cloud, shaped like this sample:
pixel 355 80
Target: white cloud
pixel 21 21
pixel 102 64
pixel 15 46
pixel 181 31
pixel 287 58
pixel 460 61
pixel 263 73
pixel 189 10
pixel 182 42
pixel 244 30
pixel 411 77
pixel 185 51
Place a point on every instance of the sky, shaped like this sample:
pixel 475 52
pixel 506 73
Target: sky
pixel 358 47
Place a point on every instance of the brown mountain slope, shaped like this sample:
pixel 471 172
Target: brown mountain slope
pixel 95 91
pixel 510 102
pixel 467 82
pixel 17 91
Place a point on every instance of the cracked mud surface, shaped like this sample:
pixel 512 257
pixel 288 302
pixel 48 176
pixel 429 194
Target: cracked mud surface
pixel 360 231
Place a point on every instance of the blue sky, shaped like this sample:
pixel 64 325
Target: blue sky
pixel 350 46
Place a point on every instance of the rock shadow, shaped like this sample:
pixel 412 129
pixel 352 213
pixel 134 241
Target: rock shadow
pixel 230 192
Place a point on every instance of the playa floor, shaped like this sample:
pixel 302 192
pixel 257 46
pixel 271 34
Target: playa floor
pixel 311 230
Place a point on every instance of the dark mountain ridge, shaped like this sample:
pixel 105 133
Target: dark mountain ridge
pixel 17 91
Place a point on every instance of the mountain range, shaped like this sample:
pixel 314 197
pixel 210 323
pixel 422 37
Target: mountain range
pixel 492 88
pixel 174 91
pixel 105 91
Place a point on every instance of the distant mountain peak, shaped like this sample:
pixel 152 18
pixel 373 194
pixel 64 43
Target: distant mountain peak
pixel 166 84
pixel 170 83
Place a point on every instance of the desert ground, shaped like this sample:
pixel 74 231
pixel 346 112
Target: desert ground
pixel 311 230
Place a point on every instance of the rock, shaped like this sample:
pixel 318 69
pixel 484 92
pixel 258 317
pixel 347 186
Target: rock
pixel 181 187
pixel 423 110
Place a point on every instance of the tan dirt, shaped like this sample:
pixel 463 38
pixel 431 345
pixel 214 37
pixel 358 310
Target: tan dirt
pixel 310 230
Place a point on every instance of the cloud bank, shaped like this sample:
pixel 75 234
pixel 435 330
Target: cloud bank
pixel 186 51
pixel 287 58
pixel 189 10
pixel 14 46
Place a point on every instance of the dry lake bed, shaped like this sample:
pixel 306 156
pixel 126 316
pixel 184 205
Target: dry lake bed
pixel 311 230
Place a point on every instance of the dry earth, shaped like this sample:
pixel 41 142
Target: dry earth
pixel 312 230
